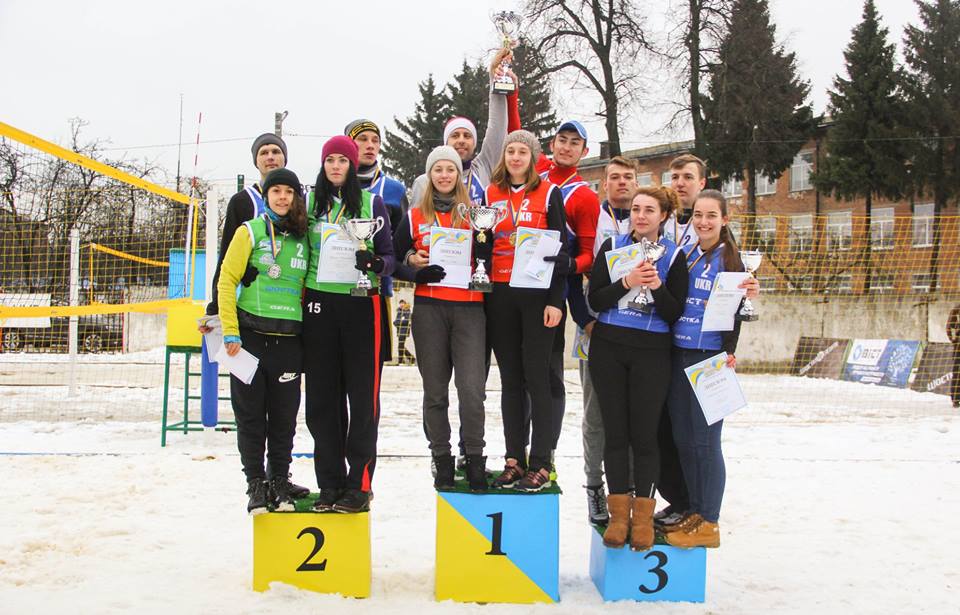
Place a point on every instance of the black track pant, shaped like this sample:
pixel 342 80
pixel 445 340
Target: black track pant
pixel 672 486
pixel 343 339
pixel 631 384
pixel 522 346
pixel 266 409
pixel 558 389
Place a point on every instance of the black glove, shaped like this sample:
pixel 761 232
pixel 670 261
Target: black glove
pixel 368 261
pixel 430 274
pixel 249 275
pixel 565 265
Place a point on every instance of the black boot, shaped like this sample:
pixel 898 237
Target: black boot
pixel 282 494
pixel 328 497
pixel 353 501
pixel 476 471
pixel 259 492
pixel 443 481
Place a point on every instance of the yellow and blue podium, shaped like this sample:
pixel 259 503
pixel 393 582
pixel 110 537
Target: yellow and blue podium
pixel 498 547
pixel 664 573
pixel 322 552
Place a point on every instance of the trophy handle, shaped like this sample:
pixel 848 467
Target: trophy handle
pixel 379 225
pixel 464 211
pixel 501 215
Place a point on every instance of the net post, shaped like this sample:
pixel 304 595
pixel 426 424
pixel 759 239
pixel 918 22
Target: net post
pixel 74 301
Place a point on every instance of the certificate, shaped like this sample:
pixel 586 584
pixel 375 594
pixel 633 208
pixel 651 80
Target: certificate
pixel 581 346
pixel 619 263
pixel 243 365
pixel 526 247
pixel 716 387
pixel 451 248
pixel 337 256
pixel 724 301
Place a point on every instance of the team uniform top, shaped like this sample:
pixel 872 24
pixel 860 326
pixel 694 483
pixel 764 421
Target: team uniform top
pixel 703 268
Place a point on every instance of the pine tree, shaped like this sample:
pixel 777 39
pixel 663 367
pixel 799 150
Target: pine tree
pixel 536 110
pixel 756 114
pixel 405 152
pixel 865 152
pixel 932 53
pixel 468 95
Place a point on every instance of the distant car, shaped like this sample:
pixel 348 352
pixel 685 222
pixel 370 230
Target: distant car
pixel 95 333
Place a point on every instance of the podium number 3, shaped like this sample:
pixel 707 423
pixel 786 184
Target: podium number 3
pixel 497 534
pixel 657 570
pixel 307 565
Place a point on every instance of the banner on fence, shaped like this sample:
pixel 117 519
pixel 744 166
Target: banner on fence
pixel 884 362
pixel 820 357
pixel 936 370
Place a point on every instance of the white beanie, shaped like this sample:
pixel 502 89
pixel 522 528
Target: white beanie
pixel 444 152
pixel 458 121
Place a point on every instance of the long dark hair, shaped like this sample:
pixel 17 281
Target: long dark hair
pixel 350 192
pixel 296 221
pixel 731 251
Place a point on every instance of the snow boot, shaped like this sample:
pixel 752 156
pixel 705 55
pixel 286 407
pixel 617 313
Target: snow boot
pixel 597 505
pixel 259 492
pixel 641 524
pixel 282 494
pixel 353 501
pixel 476 471
pixel 616 533
pixel 701 533
pixel 443 481
pixel 328 497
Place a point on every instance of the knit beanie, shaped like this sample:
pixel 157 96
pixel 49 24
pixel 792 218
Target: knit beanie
pixel 458 121
pixel 344 145
pixel 355 127
pixel 444 152
pixel 281 177
pixel 527 138
pixel 268 138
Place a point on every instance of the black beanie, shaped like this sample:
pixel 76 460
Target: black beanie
pixel 281 177
pixel 268 138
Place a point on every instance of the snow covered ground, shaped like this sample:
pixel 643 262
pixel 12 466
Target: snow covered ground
pixel 840 498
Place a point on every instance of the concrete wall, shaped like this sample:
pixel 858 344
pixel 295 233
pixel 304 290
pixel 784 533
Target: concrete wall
pixel 146 331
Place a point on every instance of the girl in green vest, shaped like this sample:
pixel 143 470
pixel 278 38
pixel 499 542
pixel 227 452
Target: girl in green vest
pixel 267 259
pixel 344 336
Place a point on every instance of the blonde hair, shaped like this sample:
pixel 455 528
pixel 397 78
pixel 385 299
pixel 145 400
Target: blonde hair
pixel 664 196
pixel 460 195
pixel 501 178
pixel 620 161
pixel 684 159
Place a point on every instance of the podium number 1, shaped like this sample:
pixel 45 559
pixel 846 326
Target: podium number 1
pixel 658 570
pixel 497 534
pixel 307 565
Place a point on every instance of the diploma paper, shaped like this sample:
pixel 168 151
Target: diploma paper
pixel 619 263
pixel 716 387
pixel 451 248
pixel 581 346
pixel 337 256
pixel 527 240
pixel 243 365
pixel 536 266
pixel 724 301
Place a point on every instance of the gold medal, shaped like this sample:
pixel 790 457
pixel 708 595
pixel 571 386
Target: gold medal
pixel 513 238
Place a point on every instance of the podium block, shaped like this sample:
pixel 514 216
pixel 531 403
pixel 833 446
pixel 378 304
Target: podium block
pixel 663 573
pixel 322 552
pixel 498 547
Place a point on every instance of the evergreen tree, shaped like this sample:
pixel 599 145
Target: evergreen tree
pixel 536 111
pixel 756 114
pixel 405 152
pixel 932 53
pixel 865 152
pixel 468 95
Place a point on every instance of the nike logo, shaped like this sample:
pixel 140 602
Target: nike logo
pixel 288 376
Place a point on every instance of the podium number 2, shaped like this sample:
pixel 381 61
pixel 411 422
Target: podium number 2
pixel 307 565
pixel 657 570
pixel 497 534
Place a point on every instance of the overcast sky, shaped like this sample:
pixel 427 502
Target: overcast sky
pixel 122 65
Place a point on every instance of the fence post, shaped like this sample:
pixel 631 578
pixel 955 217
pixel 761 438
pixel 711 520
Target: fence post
pixel 74 301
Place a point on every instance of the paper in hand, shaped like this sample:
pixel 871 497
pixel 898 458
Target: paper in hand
pixel 536 266
pixel 243 365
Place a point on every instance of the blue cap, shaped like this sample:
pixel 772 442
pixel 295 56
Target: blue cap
pixel 574 126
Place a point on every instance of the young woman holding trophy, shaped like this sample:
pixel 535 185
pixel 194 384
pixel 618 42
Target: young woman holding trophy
pixel 344 328
pixel 698 443
pixel 525 306
pixel 638 287
pixel 448 319
pixel 267 260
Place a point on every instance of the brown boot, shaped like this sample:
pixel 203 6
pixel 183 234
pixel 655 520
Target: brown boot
pixel 641 524
pixel 700 534
pixel 618 504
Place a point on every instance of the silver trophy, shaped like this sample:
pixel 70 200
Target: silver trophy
pixel 362 230
pixel 751 262
pixel 508 25
pixel 652 252
pixel 481 219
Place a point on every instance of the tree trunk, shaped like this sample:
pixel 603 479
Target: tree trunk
pixel 693 50
pixel 610 102
pixel 868 250
pixel 751 218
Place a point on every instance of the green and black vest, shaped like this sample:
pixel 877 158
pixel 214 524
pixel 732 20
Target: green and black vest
pixel 334 216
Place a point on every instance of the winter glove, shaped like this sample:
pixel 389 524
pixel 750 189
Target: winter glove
pixel 249 275
pixel 430 274
pixel 368 261
pixel 565 265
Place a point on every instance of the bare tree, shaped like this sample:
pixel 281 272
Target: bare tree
pixel 599 42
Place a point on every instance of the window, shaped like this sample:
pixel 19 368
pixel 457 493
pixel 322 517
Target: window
pixel 766 233
pixel 732 187
pixel 644 179
pixel 881 228
pixel 920 282
pixel 765 185
pixel 801 233
pixel 768 283
pixel 595 186
pixel 839 230
pixel 736 227
pixel 665 177
pixel 842 283
pixel 923 225
pixel 800 172
pixel 881 282
pixel 801 283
